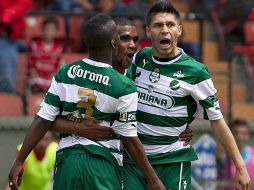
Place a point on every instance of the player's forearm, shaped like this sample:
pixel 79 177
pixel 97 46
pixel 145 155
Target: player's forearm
pixel 36 131
pixel 136 151
pixel 226 138
pixel 64 126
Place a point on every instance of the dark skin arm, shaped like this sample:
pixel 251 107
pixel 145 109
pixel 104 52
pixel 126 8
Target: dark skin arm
pixel 88 128
pixel 91 129
pixel 186 135
pixel 136 151
pixel 36 131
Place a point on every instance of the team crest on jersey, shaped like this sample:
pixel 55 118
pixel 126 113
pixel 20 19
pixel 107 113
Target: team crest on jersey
pixel 174 85
pixel 155 75
pixel 138 73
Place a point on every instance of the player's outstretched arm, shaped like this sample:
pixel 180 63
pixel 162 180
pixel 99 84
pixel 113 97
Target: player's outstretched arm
pixel 136 151
pixel 36 131
pixel 226 138
pixel 88 128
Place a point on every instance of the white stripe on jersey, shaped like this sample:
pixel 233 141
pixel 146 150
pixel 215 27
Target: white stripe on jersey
pixel 180 174
pixel 177 111
pixel 163 84
pixel 157 149
pixel 203 89
pixel 48 112
pixel 124 102
pixel 74 140
pixel 147 129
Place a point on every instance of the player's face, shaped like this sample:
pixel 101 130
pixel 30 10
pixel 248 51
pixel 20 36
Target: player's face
pixel 127 45
pixel 164 31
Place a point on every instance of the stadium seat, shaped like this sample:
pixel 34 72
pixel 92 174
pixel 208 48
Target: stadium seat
pixel 75 23
pixel 34 25
pixel 21 73
pixel 34 101
pixel 11 105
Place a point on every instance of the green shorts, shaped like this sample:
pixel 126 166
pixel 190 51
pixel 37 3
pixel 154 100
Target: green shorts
pixel 81 170
pixel 175 176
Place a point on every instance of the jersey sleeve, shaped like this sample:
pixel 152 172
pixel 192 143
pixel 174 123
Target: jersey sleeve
pixel 51 105
pixel 125 123
pixel 204 93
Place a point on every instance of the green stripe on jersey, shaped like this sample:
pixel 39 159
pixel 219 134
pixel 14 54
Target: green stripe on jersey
pixel 102 79
pixel 192 71
pixel 208 102
pixel 157 140
pixel 52 99
pixel 183 155
pixel 162 121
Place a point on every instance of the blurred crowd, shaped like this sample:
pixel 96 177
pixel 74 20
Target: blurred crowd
pixel 28 26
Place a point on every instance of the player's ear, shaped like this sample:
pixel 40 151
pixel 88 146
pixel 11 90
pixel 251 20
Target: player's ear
pixel 148 32
pixel 113 43
pixel 180 29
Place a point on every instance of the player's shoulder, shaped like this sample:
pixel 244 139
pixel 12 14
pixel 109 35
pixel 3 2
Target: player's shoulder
pixel 147 51
pixel 124 84
pixel 191 62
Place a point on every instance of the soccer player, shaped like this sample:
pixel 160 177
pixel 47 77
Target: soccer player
pixel 172 87
pixel 90 88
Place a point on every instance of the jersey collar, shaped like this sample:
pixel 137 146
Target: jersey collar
pixel 95 63
pixel 174 59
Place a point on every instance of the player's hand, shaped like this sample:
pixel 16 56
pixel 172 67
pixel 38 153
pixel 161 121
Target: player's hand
pixel 15 175
pixel 186 135
pixel 242 179
pixel 91 129
pixel 155 185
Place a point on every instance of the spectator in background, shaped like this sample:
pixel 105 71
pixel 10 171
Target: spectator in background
pixel 86 5
pixel 249 71
pixel 227 170
pixel 228 17
pixel 139 7
pixel 108 6
pixel 143 41
pixel 191 48
pixel 11 28
pixel 39 165
pixel 44 57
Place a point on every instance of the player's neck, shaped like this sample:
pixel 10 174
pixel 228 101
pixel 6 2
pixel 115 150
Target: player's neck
pixel 118 68
pixel 101 56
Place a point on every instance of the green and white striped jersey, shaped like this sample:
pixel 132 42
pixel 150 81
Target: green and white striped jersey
pixel 92 89
pixel 170 94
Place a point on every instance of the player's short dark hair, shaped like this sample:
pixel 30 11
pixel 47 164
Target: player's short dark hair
pixel 50 20
pixel 239 123
pixel 122 21
pixel 161 6
pixel 98 31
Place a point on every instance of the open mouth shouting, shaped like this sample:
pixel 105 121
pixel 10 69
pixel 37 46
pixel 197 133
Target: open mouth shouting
pixel 130 56
pixel 165 43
